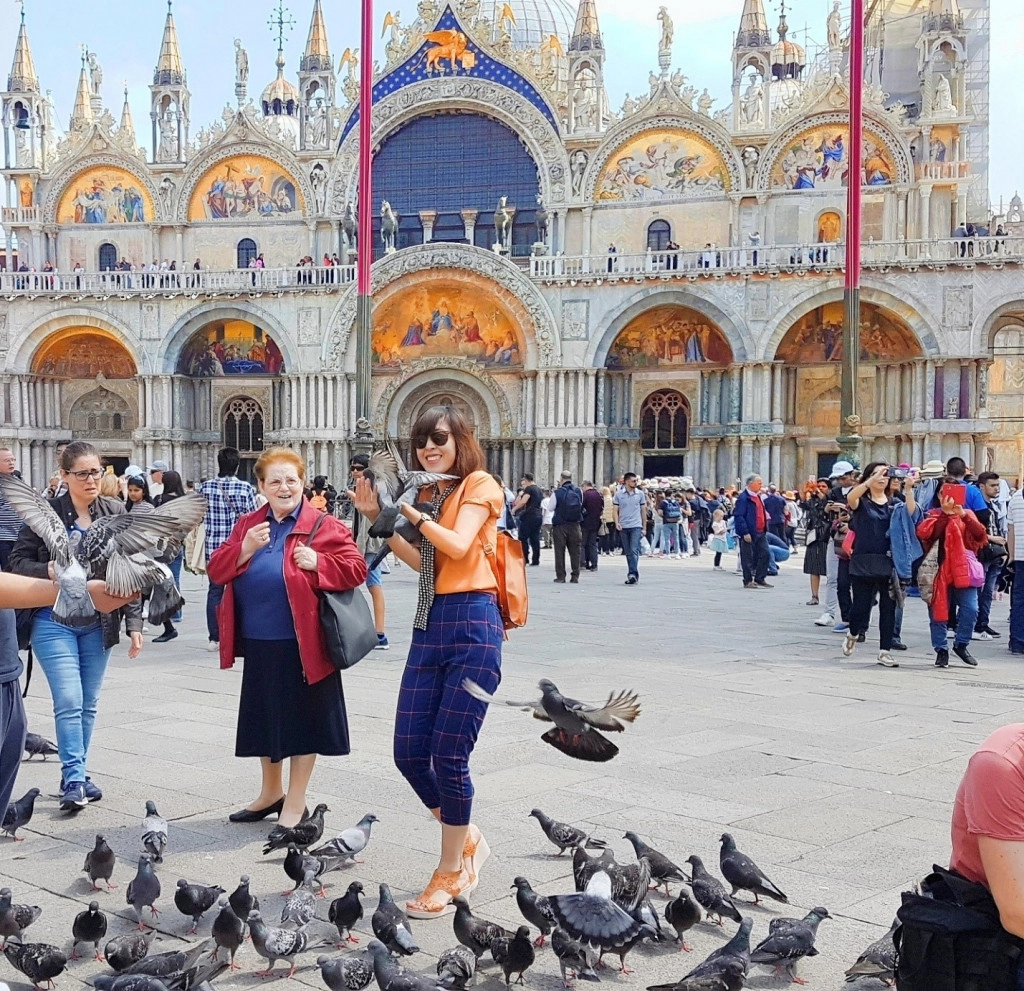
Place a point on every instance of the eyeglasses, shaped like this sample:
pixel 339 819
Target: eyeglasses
pixel 436 437
pixel 278 483
pixel 84 476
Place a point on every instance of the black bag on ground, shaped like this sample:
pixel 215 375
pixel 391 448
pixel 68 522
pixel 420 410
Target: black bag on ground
pixel 950 939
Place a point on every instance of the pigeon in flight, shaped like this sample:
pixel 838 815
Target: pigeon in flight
pixel 456 967
pixel 710 893
pixel 346 973
pixel 121 549
pixel 744 875
pixel 575 732
pixel 573 957
pixel 39 746
pixel 391 925
pixel 790 943
pixel 89 926
pixel 662 869
pixel 594 919
pixel 349 842
pixel 564 836
pixel 878 960
pixel 99 864
pixel 19 813
pixel 154 831
pixel 303 834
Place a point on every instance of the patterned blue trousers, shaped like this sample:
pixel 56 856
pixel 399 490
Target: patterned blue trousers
pixel 437 721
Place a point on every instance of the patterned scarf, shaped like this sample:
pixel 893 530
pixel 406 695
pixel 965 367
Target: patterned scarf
pixel 425 590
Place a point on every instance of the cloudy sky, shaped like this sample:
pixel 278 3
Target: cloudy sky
pixel 127 49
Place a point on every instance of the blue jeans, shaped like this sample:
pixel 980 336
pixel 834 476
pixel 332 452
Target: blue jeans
pixel 966 600
pixel 213 596
pixel 631 548
pixel 656 539
pixel 670 538
pixel 175 569
pixel 986 592
pixel 74 662
pixel 1017 608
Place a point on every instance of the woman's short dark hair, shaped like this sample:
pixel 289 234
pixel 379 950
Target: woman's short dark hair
pixel 75 450
pixel 140 482
pixel 469 456
pixel 870 469
pixel 172 484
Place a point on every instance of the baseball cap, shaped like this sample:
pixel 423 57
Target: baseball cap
pixel 159 466
pixel 841 468
pixel 134 471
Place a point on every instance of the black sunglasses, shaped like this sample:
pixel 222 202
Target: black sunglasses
pixel 436 437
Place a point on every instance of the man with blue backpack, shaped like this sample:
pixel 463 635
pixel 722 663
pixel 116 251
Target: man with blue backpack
pixel 566 530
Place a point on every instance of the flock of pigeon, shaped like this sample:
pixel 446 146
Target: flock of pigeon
pixel 610 912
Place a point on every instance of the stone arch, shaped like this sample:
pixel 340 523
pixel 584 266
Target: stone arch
pixel 989 321
pixel 666 421
pixel 731 325
pixel 826 217
pixel 243 423
pixel 20 361
pixel 102 414
pixel 64 177
pixel 197 318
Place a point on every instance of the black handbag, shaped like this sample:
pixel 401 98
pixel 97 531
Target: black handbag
pixel 346 621
pixel 991 553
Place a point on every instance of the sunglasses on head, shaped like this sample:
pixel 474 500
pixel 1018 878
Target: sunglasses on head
pixel 436 437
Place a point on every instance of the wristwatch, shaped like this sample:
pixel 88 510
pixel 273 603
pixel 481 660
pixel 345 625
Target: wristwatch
pixel 424 517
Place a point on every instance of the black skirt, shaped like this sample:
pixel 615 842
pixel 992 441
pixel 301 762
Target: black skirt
pixel 279 715
pixel 815 557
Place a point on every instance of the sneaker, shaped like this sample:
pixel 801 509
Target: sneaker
pixel 749 585
pixel 825 619
pixel 942 658
pixel 981 635
pixel 840 627
pixel 382 642
pixel 965 655
pixel 213 645
pixel 860 638
pixel 763 585
pixel 887 660
pixel 92 791
pixel 72 797
pixel 559 581
pixel 898 644
pixel 994 634
pixel 631 580
pixel 848 644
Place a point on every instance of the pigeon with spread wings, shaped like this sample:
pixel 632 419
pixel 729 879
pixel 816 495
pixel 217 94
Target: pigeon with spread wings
pixel 576 723
pixel 121 548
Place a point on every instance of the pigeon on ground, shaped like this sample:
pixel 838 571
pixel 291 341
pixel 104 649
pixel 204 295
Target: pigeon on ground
pixel 390 975
pixel 303 834
pixel 630 883
pixel 744 875
pixel 878 960
pixel 647 914
pixel 456 967
pixel 122 951
pixel 120 548
pixel 573 957
pixel 19 813
pixel 346 973
pixel 39 746
pixel 297 863
pixel 349 842
pixel 662 869
pixel 710 893
pixel 195 976
pixel 564 836
pixel 724 969
pixel 300 906
pixel 575 732
pixel 274 943
pixel 476 933
pixel 99 864
pixel 241 900
pixel 682 914
pixel 89 926
pixel 195 900
pixel 345 912
pixel 169 964
pixel 154 828
pixel 39 962
pixel 228 932
pixel 514 954
pixel 594 919
pixel 143 890
pixel 535 909
pixel 584 867
pixel 789 944
pixel 391 925
pixel 15 919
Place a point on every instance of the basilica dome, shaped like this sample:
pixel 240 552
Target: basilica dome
pixel 280 97
pixel 537 20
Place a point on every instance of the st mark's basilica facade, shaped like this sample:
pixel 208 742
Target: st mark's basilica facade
pixel 655 286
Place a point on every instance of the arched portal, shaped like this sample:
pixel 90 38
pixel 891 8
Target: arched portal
pixel 242 423
pixel 664 432
pixel 82 353
pixel 230 347
pixel 669 335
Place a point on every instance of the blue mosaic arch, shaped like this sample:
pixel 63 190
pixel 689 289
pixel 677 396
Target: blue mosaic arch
pixel 414 70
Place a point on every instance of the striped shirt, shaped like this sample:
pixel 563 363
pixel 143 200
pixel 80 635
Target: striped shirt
pixel 227 498
pixel 10 521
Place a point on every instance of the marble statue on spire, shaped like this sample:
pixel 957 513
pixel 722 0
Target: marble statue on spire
pixel 667 31
pixel 834 26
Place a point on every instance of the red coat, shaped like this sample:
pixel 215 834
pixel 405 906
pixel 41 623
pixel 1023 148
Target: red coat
pixel 340 566
pixel 958 535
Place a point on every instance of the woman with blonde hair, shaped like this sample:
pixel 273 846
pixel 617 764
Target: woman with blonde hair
pixel 291 704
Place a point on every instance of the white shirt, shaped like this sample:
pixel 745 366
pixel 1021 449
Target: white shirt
pixel 1015 518
pixel 547 505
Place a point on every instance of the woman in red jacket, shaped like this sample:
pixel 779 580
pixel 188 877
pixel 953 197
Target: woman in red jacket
pixel 960 535
pixel 291 702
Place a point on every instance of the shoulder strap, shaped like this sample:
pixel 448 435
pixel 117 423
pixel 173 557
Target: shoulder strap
pixel 316 527
pixel 226 496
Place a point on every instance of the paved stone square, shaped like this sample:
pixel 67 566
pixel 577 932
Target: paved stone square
pixel 837 776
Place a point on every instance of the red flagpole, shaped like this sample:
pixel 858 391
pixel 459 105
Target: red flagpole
pixel 364 257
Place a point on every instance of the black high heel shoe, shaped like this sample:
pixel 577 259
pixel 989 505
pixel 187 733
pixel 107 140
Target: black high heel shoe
pixel 257 815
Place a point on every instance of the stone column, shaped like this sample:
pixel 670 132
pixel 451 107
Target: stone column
pixel 427 219
pixel 588 227
pixel 775 462
pixel 506 464
pixel 924 192
pixel 599 469
pixel 469 218
pixel 746 463
pixel 542 467
pixel 776 371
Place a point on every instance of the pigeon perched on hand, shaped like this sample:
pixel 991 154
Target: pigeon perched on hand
pixel 241 900
pixel 682 914
pixel 456 967
pixel 573 957
pixel 878 960
pixel 15 919
pixel 563 835
pixel 274 943
pixel 303 834
pixel 39 746
pixel 123 951
pixel 119 548
pixel 346 911
pixel 790 943
pixel 228 932
pixel 349 842
pixel 514 954
pixel 195 900
pixel 39 962
pixel 710 893
pixel 391 925
pixel 575 732
pixel 744 875
pixel 472 931
pixel 19 813
pixel 300 906
pixel 535 908
pixel 724 969
pixel 99 864
pixel 154 829
pixel 89 926
pixel 346 973
pixel 143 890
pixel 662 869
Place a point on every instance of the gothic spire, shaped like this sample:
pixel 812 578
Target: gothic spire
pixel 586 35
pixel 170 71
pixel 127 124
pixel 317 56
pixel 753 32
pixel 82 116
pixel 23 77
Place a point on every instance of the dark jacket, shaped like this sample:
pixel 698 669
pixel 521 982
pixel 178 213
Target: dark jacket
pixel 775 507
pixel 30 557
pixel 744 514
pixel 557 519
pixel 593 507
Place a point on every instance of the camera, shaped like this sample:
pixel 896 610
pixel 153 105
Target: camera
pixel 894 472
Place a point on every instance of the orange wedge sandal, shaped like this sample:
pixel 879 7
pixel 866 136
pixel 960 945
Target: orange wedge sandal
pixel 475 854
pixel 436 900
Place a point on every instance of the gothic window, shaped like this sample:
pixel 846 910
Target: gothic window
pixel 246 251
pixel 664 421
pixel 108 257
pixel 658 235
pixel 243 425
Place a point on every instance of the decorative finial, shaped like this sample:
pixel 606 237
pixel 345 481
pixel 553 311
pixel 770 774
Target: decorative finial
pixel 22 2
pixel 281 23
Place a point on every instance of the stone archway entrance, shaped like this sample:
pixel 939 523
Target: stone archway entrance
pixel 443 392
